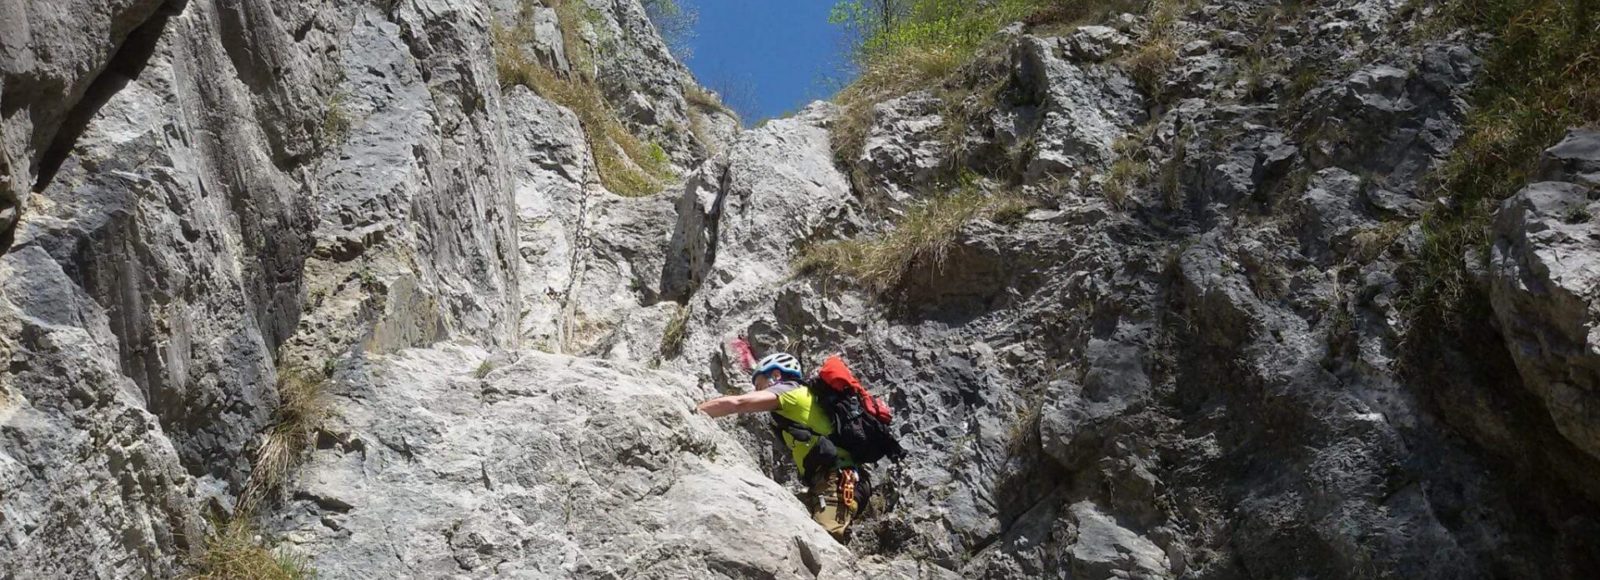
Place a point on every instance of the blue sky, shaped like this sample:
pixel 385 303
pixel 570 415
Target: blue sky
pixel 767 57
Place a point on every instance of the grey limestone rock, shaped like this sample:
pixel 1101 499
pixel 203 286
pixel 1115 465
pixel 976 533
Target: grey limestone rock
pixel 904 152
pixel 646 85
pixel 549 466
pixel 1332 210
pixel 1083 109
pixel 1209 380
pixel 51 54
pixel 741 220
pixel 1575 159
pixel 1096 43
pixel 1544 269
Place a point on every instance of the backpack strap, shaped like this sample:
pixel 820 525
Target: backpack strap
pixel 782 424
pixel 823 457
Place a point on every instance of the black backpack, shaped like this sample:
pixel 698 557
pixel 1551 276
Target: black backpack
pixel 860 421
pixel 867 438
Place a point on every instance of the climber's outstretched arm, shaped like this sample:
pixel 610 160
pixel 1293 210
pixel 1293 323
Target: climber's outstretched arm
pixel 756 402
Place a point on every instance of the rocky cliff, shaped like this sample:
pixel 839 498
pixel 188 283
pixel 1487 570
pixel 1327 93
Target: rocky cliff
pixel 429 288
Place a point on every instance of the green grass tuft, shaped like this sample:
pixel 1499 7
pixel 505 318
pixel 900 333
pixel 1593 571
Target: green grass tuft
pixel 484 368
pixel 1541 76
pixel 672 337
pixel 336 121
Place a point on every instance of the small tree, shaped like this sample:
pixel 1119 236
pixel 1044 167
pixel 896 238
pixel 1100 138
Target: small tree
pixel 866 18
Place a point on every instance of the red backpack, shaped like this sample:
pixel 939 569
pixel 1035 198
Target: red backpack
pixel 860 421
pixel 836 376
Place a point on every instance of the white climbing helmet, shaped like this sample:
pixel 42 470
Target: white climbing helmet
pixel 784 362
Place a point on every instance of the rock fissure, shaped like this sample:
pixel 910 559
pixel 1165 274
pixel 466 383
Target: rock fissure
pixel 124 63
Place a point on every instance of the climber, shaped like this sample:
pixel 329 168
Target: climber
pixel 830 473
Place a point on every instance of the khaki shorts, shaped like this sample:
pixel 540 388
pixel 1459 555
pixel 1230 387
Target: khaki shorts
pixel 833 500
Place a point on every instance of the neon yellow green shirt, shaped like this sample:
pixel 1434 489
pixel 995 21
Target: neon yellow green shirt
pixel 796 403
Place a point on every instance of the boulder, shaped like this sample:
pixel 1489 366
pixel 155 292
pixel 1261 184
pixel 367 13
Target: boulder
pixel 1575 159
pixel 1095 43
pixel 1545 288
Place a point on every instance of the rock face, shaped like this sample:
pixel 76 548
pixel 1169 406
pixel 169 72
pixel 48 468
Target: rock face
pixel 244 193
pixel 739 224
pixel 1186 358
pixel 547 466
pixel 50 57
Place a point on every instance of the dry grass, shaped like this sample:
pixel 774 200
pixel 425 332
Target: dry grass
pixel 1132 167
pixel 1008 208
pixel 1366 245
pixel 1125 174
pixel 672 337
pixel 883 78
pixel 923 238
pixel 702 98
pixel 302 406
pixel 1158 50
pixel 568 14
pixel 701 103
pixel 627 166
pixel 233 551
